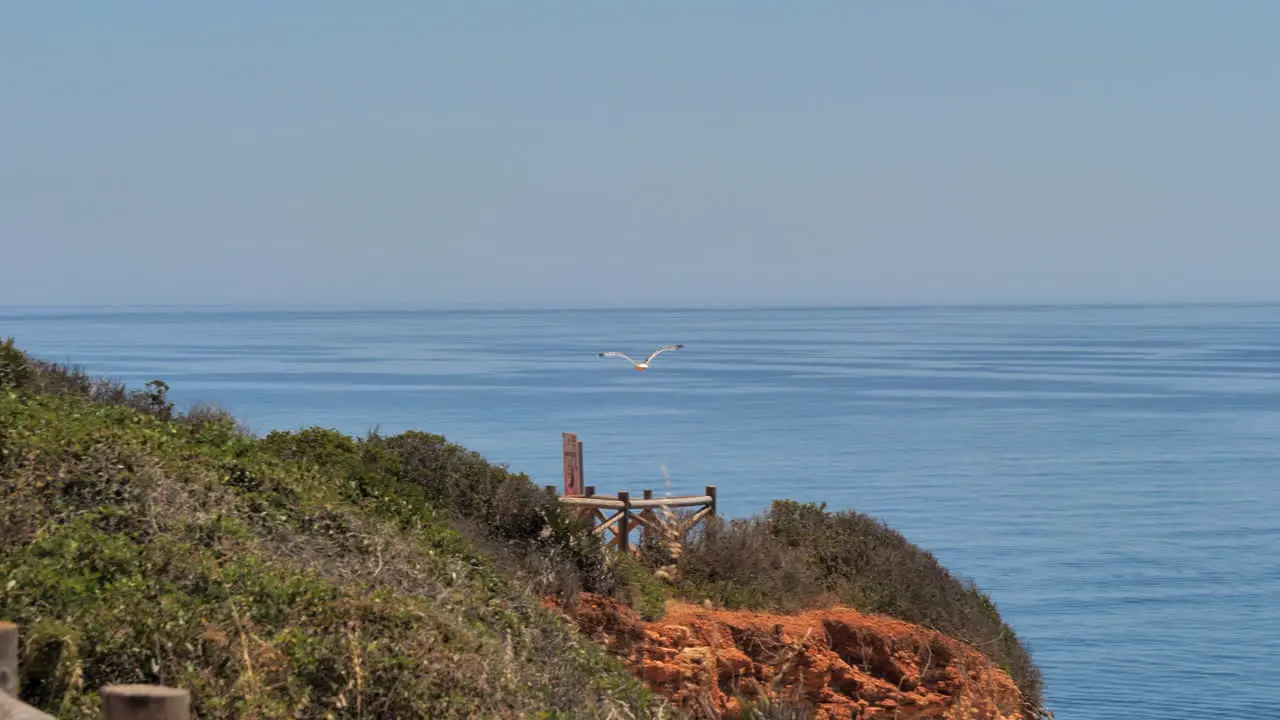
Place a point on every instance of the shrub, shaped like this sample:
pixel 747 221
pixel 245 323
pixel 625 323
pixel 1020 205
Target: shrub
pixel 31 377
pixel 521 527
pixel 739 564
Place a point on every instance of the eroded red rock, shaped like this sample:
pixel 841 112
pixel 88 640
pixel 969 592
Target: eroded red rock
pixel 839 661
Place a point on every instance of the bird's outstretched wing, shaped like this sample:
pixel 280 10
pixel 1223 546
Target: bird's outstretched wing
pixel 617 354
pixel 661 350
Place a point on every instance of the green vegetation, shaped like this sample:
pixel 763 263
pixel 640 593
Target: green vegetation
pixel 312 574
pixel 297 575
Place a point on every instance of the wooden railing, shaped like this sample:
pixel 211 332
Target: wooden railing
pixel 119 702
pixel 615 518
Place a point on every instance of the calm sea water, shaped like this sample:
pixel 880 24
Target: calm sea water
pixel 1108 475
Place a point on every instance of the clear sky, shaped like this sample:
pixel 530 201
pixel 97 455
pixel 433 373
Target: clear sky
pixel 436 154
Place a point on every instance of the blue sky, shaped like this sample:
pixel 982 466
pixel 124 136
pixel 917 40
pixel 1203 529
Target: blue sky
pixel 640 154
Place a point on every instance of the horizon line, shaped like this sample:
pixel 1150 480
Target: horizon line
pixel 478 308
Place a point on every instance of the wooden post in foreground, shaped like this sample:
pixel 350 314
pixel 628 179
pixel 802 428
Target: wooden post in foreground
pixel 9 659
pixel 624 522
pixel 589 490
pixel 145 702
pixel 711 493
pixel 11 708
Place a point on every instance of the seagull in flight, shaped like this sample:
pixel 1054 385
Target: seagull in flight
pixel 642 366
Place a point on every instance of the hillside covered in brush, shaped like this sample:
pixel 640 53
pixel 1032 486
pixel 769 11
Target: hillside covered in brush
pixel 313 574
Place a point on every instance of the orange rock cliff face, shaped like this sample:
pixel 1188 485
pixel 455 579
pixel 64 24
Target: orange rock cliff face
pixel 840 662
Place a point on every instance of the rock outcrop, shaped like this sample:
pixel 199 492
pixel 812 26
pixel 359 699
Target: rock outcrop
pixel 839 662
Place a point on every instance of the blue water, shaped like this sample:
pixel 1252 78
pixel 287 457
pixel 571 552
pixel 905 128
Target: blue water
pixel 1108 475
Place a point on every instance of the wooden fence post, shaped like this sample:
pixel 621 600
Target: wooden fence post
pixel 581 471
pixel 711 493
pixel 9 659
pixel 145 702
pixel 624 522
pixel 644 527
pixel 590 513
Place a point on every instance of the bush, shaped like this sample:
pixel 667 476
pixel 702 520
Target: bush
pixel 521 527
pixel 24 374
pixel 739 564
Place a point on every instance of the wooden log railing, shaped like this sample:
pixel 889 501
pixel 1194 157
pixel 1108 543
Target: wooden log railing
pixel 615 518
pixel 119 702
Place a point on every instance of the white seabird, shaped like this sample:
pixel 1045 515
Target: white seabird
pixel 642 366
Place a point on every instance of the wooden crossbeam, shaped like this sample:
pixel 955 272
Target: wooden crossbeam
pixel 607 524
pixel 614 518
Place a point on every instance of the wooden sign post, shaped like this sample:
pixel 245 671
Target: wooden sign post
pixel 572 465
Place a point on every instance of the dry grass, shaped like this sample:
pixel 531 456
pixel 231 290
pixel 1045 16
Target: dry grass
pixel 671 541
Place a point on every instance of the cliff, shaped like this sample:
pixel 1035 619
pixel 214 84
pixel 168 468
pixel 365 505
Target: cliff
pixel 838 662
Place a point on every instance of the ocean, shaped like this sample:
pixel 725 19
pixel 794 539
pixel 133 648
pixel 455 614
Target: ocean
pixel 1109 474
